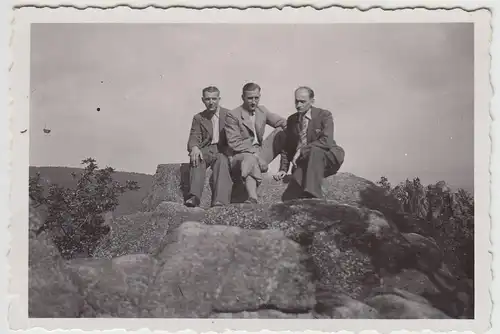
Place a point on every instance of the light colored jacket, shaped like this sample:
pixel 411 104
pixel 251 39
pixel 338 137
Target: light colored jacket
pixel 239 129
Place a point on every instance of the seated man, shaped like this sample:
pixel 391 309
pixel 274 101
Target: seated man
pixel 309 147
pixel 245 128
pixel 206 146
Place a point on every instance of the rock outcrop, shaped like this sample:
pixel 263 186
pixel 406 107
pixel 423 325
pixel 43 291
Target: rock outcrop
pixel 49 276
pixel 171 182
pixel 202 270
pixel 343 257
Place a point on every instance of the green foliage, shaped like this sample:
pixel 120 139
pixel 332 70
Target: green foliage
pixel 444 214
pixel 75 215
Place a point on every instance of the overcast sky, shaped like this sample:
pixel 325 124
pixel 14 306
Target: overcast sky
pixel 401 94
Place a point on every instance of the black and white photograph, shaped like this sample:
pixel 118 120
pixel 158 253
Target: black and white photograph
pixel 219 168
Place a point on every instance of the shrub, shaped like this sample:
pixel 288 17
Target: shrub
pixel 445 215
pixel 75 216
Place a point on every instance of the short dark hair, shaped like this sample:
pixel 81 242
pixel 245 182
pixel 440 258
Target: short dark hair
pixel 309 90
pixel 250 87
pixel 210 89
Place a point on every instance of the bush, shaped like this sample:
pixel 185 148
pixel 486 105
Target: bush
pixel 445 215
pixel 75 216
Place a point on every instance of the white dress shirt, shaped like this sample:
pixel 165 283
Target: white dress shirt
pixel 252 119
pixel 215 127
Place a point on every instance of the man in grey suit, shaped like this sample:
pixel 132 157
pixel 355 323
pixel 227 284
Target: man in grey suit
pixel 250 154
pixel 207 147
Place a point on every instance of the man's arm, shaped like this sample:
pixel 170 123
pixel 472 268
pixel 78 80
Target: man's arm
pixel 272 119
pixel 194 135
pixel 285 158
pixel 284 162
pixel 233 135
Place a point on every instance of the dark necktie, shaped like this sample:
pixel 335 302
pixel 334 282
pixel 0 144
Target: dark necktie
pixel 302 130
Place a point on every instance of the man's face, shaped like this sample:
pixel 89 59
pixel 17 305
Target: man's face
pixel 211 100
pixel 251 99
pixel 302 100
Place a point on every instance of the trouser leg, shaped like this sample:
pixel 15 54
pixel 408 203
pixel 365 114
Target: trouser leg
pixel 197 179
pixel 251 174
pixel 222 182
pixel 247 166
pixel 198 173
pixel 311 171
pixel 272 146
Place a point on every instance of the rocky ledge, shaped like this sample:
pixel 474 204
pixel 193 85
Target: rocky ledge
pixel 344 257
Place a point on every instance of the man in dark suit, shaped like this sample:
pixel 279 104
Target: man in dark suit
pixel 250 152
pixel 207 147
pixel 309 147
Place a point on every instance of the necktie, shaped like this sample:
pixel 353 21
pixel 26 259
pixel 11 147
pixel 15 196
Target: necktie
pixel 303 130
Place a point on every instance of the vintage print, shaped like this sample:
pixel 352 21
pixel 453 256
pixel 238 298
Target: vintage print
pixel 316 171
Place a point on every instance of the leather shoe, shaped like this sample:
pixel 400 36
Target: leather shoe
pixel 251 201
pixel 192 202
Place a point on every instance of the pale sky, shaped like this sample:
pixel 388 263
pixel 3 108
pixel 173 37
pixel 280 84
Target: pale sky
pixel 401 94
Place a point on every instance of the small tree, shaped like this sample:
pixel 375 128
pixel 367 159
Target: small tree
pixel 75 215
pixel 384 183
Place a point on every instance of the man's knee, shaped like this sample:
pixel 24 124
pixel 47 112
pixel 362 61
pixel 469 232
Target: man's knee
pixel 313 152
pixel 316 150
pixel 250 166
pixel 201 165
pixel 276 132
pixel 221 159
pixel 248 161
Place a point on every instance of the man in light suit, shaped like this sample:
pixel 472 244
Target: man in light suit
pixel 245 127
pixel 207 147
pixel 309 147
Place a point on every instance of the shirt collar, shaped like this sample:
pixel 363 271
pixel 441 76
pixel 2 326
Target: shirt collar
pixel 216 113
pixel 250 112
pixel 307 114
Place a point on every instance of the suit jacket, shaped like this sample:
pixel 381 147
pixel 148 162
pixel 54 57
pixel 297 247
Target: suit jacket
pixel 201 132
pixel 319 134
pixel 239 129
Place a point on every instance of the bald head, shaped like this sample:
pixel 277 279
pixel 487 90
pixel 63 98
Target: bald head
pixel 309 91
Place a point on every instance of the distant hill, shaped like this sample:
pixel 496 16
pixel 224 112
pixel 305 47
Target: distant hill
pixel 130 201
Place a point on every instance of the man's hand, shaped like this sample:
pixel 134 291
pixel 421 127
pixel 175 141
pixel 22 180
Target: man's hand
pixel 280 175
pixel 195 156
pixel 295 158
pixel 282 125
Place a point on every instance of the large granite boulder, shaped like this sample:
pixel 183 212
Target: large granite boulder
pixel 352 247
pixel 202 271
pixel 228 269
pixel 114 287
